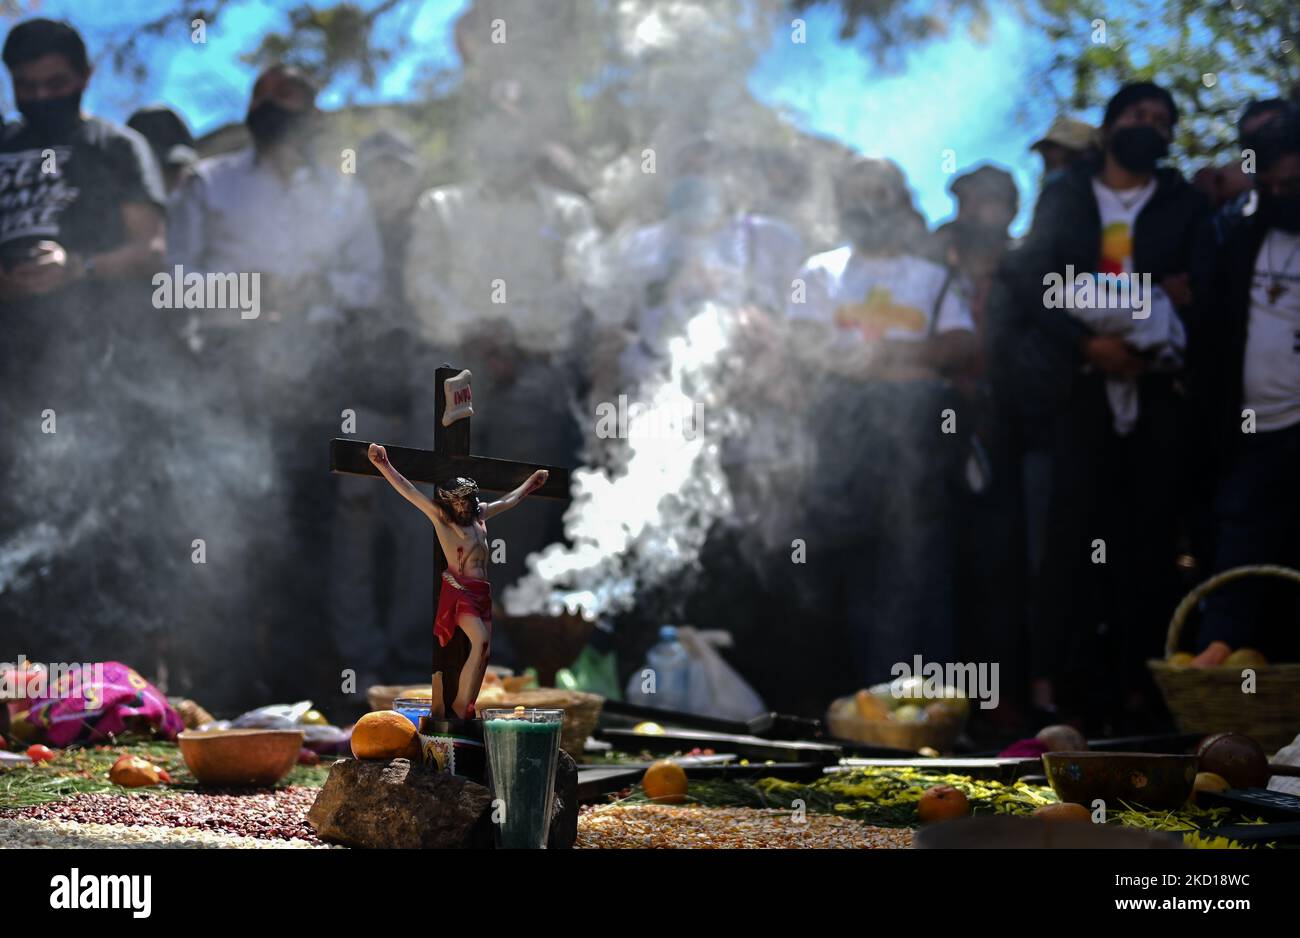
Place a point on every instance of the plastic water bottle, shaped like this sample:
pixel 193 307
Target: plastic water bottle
pixel 670 662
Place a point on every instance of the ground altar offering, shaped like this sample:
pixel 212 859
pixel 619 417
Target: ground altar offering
pixel 452 739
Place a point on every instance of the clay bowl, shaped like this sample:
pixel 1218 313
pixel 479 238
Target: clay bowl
pixel 240 758
pixel 1151 779
pixel 1024 833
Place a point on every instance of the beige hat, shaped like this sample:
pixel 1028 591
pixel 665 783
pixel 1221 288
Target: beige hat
pixel 1069 133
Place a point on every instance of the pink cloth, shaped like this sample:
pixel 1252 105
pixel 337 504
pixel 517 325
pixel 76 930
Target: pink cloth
pixel 99 700
pixel 1024 749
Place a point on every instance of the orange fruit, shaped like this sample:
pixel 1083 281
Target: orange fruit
pixel 1065 811
pixel 665 782
pixel 385 734
pixel 940 803
pixel 868 707
pixel 133 772
pixel 1208 781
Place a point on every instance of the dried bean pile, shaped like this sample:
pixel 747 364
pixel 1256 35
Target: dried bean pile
pixel 649 825
pixel 279 814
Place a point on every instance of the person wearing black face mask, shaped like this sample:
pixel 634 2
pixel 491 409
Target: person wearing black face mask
pixel 82 197
pixel 272 125
pixel 1119 213
pixel 81 232
pixel 306 233
pixel 81 223
pixel 1137 149
pixel 1243 198
pixel 1250 384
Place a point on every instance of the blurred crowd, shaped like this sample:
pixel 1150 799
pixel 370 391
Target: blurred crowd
pixel 998 473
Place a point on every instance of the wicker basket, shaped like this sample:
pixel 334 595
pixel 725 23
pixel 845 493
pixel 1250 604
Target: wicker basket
pixel 939 735
pixel 1210 700
pixel 381 696
pixel 581 711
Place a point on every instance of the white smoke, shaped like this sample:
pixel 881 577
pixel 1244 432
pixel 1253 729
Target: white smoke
pixel 644 509
pixel 645 520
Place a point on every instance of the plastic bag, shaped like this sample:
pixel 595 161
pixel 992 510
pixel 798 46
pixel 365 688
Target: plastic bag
pixel 1287 755
pixel 273 716
pixel 714 687
pixel 325 740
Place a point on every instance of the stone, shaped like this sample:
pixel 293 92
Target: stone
pixel 564 816
pixel 394 804
pixel 376 804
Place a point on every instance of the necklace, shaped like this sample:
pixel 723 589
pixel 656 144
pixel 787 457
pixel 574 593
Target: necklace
pixel 1275 287
pixel 1132 200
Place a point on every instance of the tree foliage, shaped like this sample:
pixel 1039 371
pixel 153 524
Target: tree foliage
pixel 888 28
pixel 1213 56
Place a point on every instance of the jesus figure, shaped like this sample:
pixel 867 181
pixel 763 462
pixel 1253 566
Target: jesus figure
pixel 465 597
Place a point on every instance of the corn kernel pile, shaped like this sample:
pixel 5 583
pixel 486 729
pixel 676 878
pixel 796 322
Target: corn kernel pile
pixel 639 826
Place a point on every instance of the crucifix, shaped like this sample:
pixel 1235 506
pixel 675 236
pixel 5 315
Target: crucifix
pixel 462 598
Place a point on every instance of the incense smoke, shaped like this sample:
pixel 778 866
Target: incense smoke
pixel 152 453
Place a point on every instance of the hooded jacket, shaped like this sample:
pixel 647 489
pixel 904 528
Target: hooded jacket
pixel 1034 352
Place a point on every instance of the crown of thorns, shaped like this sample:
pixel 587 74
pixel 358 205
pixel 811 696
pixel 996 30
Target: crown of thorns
pixel 459 487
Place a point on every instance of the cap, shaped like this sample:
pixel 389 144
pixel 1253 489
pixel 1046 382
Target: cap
pixel 987 180
pixel 388 145
pixel 1069 133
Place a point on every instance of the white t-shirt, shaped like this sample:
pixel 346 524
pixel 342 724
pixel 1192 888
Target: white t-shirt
pixel 1271 376
pixel 231 214
pixel 1119 211
pixel 871 298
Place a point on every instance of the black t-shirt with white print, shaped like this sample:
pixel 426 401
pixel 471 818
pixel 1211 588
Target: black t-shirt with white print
pixel 69 187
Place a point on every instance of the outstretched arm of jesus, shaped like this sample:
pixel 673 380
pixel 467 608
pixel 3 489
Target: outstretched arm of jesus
pixel 531 484
pixel 379 456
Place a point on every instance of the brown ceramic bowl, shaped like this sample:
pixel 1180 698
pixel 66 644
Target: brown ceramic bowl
pixel 1157 780
pixel 240 758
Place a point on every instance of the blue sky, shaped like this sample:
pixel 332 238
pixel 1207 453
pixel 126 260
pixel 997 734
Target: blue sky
pixel 954 93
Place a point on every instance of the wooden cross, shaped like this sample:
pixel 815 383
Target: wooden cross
pixel 450 457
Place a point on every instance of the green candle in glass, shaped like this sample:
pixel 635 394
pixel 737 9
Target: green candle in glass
pixel 522 748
